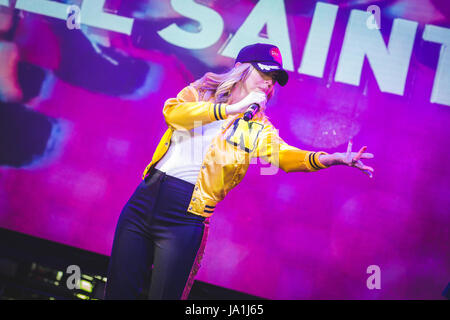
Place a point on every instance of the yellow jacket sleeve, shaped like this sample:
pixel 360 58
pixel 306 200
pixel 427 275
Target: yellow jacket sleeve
pixel 186 112
pixel 272 148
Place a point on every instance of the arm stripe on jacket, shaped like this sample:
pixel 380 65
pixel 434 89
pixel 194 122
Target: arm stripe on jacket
pixel 215 111
pixel 312 161
pixel 220 111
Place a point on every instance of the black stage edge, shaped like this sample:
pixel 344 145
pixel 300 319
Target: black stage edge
pixel 32 268
pixel 36 269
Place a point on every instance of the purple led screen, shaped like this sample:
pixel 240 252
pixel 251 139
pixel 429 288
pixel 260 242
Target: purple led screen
pixel 81 115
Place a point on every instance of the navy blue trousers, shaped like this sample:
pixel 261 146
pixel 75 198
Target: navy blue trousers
pixel 157 243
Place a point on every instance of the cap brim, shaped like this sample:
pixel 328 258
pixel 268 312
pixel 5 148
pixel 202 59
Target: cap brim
pixel 282 76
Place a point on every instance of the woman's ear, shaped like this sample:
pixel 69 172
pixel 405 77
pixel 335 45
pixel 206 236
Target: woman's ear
pixel 237 64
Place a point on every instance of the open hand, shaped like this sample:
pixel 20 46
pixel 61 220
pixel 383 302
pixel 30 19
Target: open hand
pixel 352 159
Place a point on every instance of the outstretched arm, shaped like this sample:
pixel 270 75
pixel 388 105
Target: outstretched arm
pixel 272 148
pixel 349 158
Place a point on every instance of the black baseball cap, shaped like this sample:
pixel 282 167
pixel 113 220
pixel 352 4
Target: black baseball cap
pixel 266 58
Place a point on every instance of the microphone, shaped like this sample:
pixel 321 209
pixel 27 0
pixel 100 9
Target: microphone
pixel 251 111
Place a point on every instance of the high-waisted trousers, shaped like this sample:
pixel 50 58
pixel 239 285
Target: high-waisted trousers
pixel 157 244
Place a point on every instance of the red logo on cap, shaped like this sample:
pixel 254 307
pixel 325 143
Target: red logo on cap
pixel 275 53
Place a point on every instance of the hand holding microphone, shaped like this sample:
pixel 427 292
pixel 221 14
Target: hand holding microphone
pixel 250 105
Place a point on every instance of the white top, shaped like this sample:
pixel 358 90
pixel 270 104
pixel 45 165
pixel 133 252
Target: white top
pixel 187 150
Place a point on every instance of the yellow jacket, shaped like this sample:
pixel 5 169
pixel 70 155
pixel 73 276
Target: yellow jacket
pixel 230 153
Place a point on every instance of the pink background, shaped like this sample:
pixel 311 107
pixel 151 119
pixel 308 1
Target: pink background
pixel 286 236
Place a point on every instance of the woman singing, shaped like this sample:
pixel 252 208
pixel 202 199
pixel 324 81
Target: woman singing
pixel 216 125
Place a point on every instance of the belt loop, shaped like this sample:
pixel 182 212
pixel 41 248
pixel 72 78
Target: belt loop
pixel 163 176
pixel 155 174
pixel 150 173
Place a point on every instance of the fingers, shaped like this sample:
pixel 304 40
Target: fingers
pixel 353 159
pixel 257 97
pixel 367 156
pixel 362 155
pixel 348 154
pixel 369 173
pixel 262 99
pixel 359 154
pixel 349 146
pixel 366 169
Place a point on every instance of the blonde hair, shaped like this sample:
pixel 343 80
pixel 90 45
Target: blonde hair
pixel 219 86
